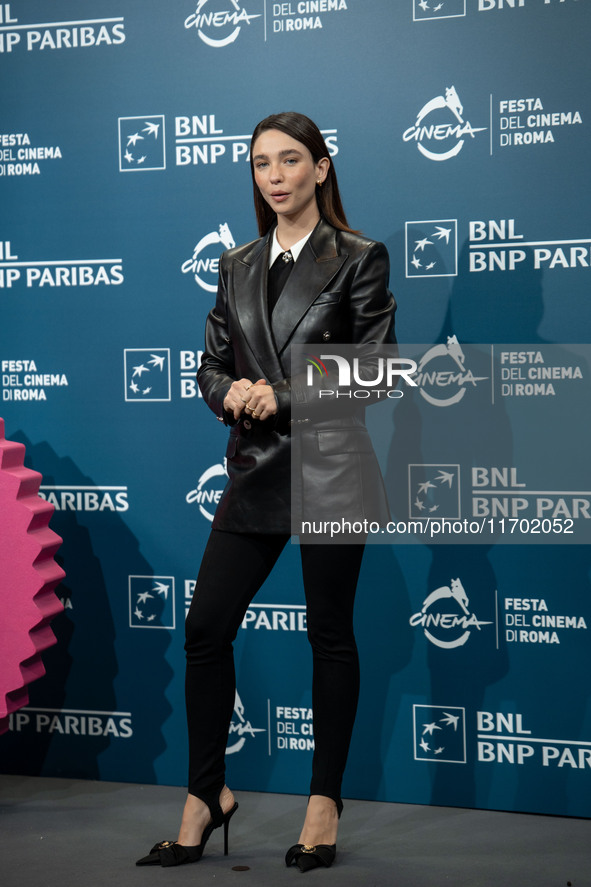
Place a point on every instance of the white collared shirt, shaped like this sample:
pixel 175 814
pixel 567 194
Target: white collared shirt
pixel 277 249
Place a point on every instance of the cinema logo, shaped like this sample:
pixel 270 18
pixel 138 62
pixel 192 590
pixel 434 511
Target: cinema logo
pixel 440 130
pixel 85 498
pixel 445 617
pixel 209 490
pixel 72 722
pixel 219 27
pixel 58 35
pixel 204 263
pixel 201 141
pixel 240 728
pixel 54 273
pixel 436 382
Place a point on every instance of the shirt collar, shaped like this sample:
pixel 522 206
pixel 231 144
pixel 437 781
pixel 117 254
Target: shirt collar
pixel 277 249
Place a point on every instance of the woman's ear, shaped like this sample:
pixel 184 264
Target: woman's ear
pixel 322 168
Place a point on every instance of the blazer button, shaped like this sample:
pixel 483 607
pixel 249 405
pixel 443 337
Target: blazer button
pixel 247 424
pixel 326 335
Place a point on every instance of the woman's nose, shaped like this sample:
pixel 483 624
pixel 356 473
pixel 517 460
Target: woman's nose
pixel 275 174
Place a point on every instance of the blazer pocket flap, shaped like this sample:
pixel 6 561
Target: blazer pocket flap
pixel 344 440
pixel 327 299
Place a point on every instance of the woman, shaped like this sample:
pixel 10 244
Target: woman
pixel 309 279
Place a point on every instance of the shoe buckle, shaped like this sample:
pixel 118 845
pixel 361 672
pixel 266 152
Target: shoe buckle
pixel 308 848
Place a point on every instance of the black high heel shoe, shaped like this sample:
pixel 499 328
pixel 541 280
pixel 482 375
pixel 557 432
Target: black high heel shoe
pixel 312 856
pixel 168 853
pixel 307 856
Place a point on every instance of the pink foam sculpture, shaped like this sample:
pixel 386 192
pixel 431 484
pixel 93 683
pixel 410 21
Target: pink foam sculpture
pixel 28 577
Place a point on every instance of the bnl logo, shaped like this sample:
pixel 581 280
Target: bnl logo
pixel 439 733
pixel 426 10
pixel 141 143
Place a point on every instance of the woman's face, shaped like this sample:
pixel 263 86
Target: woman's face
pixel 286 175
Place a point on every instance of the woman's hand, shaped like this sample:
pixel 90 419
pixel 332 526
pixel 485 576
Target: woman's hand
pixel 237 397
pixel 260 401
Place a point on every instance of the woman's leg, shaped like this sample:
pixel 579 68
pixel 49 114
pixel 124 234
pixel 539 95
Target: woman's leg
pixel 330 580
pixel 233 568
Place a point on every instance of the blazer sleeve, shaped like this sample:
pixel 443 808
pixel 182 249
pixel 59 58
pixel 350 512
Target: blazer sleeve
pixel 217 370
pixel 371 303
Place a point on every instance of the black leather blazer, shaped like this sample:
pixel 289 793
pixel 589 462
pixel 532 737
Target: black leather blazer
pixel 337 293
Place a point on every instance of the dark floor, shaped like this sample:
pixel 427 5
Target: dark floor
pixel 62 832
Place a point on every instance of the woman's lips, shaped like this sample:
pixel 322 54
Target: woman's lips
pixel 280 196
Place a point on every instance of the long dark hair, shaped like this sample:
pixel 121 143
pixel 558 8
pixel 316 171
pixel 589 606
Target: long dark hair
pixel 303 130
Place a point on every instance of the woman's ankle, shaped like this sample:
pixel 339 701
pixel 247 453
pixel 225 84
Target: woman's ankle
pixel 226 799
pixel 194 820
pixel 321 823
pixel 197 815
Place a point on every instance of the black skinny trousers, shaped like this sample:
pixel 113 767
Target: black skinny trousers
pixel 233 568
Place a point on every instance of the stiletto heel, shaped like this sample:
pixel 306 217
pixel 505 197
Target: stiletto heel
pixel 227 829
pixel 168 853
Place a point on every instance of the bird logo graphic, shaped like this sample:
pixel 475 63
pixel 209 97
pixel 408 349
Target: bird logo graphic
pixel 141 143
pixel 439 733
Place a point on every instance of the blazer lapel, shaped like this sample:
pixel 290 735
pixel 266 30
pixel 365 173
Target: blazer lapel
pixel 249 292
pixel 317 264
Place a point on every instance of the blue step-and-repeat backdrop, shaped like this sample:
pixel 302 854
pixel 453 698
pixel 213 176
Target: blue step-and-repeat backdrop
pixel 460 133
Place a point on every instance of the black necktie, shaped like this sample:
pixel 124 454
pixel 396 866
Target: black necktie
pixel 277 278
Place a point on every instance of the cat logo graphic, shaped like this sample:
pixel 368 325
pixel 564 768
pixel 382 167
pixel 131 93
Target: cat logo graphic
pixel 209 489
pixel 439 131
pixel 240 727
pixel 445 613
pixel 225 22
pixel 447 372
pixel 200 265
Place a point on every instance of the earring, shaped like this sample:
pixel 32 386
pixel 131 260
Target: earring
pixel 319 183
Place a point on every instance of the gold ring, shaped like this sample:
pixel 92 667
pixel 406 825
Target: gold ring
pixel 255 415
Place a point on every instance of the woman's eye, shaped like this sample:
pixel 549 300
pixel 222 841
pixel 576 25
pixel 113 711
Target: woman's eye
pixel 260 165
